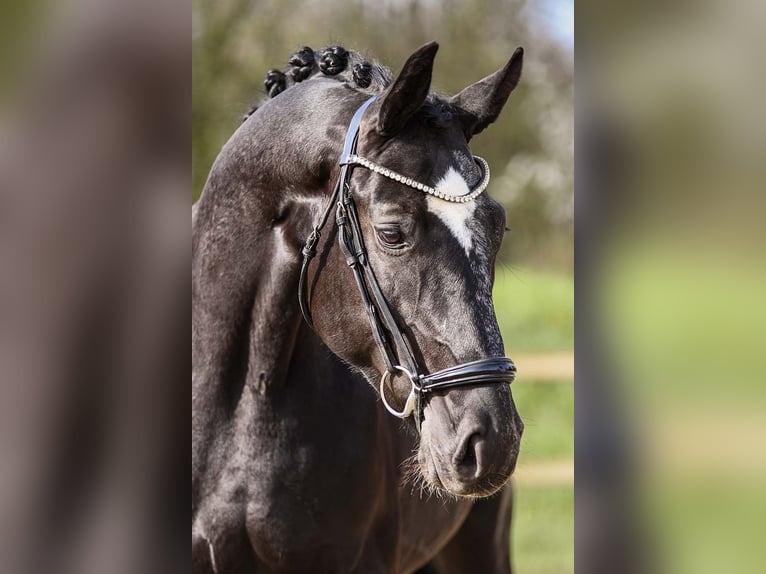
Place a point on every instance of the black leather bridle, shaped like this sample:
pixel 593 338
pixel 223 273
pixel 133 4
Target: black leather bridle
pixel 389 337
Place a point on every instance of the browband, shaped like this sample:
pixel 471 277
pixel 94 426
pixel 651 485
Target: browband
pixel 391 174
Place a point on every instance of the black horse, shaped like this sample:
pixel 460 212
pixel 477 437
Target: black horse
pixel 296 465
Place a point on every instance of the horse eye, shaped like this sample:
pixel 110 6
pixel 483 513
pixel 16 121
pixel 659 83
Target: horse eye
pixel 391 238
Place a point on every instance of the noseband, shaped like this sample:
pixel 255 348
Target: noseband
pixel 388 336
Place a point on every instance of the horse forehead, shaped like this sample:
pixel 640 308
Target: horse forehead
pixel 455 216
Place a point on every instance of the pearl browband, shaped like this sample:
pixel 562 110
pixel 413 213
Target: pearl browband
pixel 354 159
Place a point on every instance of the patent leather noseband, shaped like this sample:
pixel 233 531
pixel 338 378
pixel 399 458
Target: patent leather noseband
pixel 393 346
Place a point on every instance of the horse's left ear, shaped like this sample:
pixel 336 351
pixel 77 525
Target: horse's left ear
pixel 408 92
pixel 484 100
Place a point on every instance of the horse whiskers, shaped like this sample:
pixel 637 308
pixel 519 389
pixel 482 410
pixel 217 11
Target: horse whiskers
pixel 410 470
pixel 494 486
pixel 413 476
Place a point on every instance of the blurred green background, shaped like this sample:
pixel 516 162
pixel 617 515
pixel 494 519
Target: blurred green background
pixel 530 150
pixel 675 205
pixel 535 311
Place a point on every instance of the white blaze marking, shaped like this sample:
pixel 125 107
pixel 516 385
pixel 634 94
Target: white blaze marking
pixel 454 215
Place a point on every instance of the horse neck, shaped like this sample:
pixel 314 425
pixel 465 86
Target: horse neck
pixel 263 194
pixel 244 292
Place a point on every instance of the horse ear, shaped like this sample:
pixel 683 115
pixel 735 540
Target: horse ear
pixel 408 92
pixel 484 100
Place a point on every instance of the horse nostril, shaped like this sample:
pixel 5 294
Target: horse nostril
pixel 465 460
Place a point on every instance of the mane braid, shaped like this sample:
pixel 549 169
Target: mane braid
pixel 350 68
pixel 346 66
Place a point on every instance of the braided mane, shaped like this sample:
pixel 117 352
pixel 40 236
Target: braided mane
pixel 351 68
pixel 336 62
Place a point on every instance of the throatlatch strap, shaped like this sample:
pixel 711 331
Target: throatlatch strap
pixel 309 249
pixel 309 252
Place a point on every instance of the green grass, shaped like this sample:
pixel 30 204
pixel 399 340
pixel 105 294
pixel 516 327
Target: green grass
pixel 535 310
pixel 536 314
pixel 547 410
pixel 542 534
pixel 542 530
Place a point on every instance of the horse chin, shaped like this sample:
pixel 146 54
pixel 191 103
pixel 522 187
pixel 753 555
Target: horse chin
pixel 442 479
pixel 469 454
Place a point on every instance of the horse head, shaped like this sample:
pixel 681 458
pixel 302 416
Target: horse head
pixel 433 259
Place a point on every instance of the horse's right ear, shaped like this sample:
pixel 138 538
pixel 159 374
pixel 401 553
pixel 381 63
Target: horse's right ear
pixel 483 101
pixel 408 92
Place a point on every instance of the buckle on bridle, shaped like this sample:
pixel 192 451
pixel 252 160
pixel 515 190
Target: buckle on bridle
pixel 341 218
pixel 409 404
pixel 309 250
